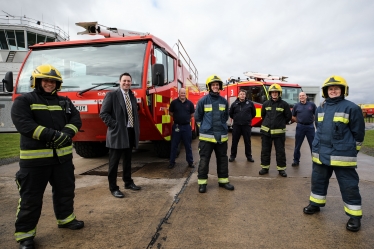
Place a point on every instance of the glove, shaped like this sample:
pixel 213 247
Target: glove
pixel 59 140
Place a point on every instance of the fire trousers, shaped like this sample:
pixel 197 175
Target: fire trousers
pixel 280 153
pixel 348 182
pixel 237 131
pixel 31 185
pixel 205 152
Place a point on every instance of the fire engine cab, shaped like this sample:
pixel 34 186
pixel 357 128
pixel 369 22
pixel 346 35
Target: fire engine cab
pixel 91 68
pixel 257 85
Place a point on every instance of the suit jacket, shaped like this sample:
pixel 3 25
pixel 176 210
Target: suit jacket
pixel 113 113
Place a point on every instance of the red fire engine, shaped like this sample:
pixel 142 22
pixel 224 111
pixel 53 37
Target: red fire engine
pixel 257 91
pixel 90 68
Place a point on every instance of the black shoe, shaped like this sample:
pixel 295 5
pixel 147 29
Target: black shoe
pixel 190 165
pixel 263 171
pixel 231 159
pixel 310 209
pixel 171 166
pixel 27 244
pixel 117 193
pixel 73 225
pixel 283 173
pixel 132 186
pixel 250 159
pixel 295 164
pixel 353 224
pixel 227 186
pixel 202 188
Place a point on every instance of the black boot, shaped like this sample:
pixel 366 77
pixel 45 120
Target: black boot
pixel 73 225
pixel 227 186
pixel 282 173
pixel 353 224
pixel 310 209
pixel 202 188
pixel 27 244
pixel 263 171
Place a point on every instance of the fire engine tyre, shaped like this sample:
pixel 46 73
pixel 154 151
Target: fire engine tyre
pixel 162 148
pixel 91 149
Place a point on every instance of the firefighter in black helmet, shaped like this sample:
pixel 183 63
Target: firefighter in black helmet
pixel 275 113
pixel 47 123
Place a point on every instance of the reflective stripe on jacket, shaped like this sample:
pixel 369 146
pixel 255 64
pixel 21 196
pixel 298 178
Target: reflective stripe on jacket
pixel 340 133
pixel 211 115
pixel 275 115
pixel 37 116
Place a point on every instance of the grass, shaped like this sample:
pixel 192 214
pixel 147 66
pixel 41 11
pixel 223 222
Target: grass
pixel 9 146
pixel 369 139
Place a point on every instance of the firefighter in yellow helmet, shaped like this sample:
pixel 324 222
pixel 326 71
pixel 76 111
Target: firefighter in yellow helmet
pixel 47 123
pixel 211 114
pixel 275 113
pixel 339 136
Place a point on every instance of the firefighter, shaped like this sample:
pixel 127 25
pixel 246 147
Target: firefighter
pixel 211 115
pixel 47 123
pixel 275 113
pixel 339 136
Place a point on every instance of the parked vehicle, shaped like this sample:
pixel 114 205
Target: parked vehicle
pixel 90 68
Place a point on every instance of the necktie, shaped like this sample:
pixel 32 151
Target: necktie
pixel 129 110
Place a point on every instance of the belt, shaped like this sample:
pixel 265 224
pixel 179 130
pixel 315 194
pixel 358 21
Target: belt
pixel 182 124
pixel 305 123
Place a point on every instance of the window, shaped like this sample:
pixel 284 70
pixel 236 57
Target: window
pixel 31 39
pixel 40 38
pixel 20 37
pixel 50 39
pixel 11 39
pixel 3 42
pixel 168 62
pixel 86 66
pixel 170 69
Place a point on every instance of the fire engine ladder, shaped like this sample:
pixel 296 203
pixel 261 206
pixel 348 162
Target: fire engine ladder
pixel 263 76
pixel 93 28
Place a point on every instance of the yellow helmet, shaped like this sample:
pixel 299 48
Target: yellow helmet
pixel 276 88
pixel 213 78
pixel 46 71
pixel 335 80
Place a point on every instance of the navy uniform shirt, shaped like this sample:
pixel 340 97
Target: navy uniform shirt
pixel 181 111
pixel 304 112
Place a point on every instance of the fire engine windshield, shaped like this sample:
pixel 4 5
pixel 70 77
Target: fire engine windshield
pixel 89 65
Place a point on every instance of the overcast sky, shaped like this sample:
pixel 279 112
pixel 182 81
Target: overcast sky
pixel 306 40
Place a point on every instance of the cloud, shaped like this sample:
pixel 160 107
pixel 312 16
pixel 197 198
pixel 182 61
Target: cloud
pixel 307 41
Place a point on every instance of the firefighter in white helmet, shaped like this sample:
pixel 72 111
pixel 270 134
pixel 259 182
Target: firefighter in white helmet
pixel 339 136
pixel 46 122
pixel 275 113
pixel 211 114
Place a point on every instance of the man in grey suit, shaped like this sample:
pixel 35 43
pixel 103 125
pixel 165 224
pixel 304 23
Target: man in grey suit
pixel 119 112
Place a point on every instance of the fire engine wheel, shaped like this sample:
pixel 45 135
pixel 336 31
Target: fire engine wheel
pixel 91 149
pixel 162 148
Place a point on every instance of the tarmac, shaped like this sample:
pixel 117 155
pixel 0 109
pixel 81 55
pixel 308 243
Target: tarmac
pixel 169 212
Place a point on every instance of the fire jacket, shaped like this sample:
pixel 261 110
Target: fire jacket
pixel 212 112
pixel 340 133
pixel 37 116
pixel 242 112
pixel 275 115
